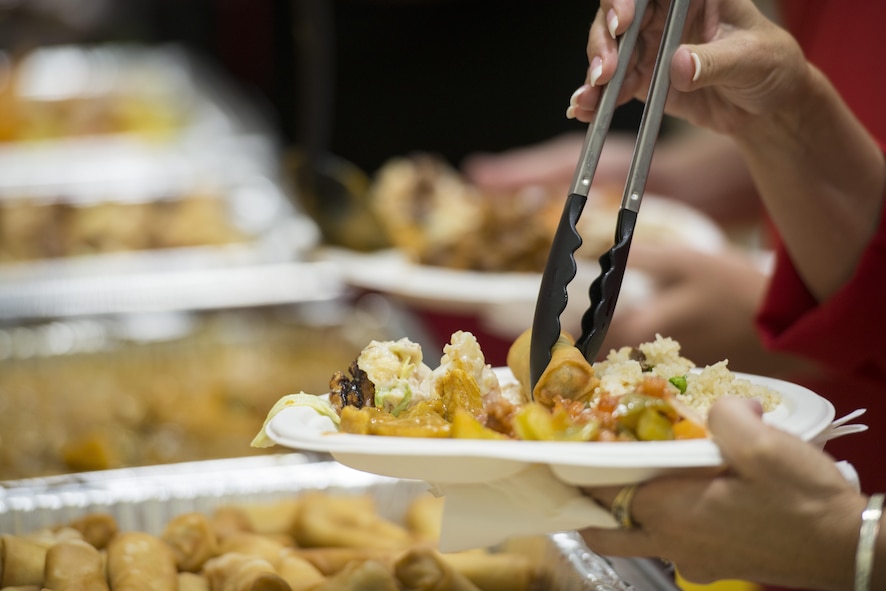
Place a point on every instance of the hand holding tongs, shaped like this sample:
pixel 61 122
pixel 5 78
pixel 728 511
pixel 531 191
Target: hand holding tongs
pixel 561 267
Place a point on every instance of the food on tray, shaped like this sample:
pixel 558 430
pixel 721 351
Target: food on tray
pixel 436 217
pixel 80 396
pixel 644 393
pixel 68 91
pixel 33 229
pixel 74 564
pixel 358 550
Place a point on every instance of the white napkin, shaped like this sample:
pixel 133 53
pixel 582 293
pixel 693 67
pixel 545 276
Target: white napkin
pixel 531 502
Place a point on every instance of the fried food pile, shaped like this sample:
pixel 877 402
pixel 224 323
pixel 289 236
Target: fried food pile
pixel 647 393
pixel 436 217
pixel 315 542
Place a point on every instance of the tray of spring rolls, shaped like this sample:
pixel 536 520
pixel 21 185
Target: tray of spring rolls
pixel 282 522
pixel 132 174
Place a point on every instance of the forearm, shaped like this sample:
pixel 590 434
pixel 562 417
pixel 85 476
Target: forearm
pixel 822 178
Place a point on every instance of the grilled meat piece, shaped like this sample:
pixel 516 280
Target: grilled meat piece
pixel 351 390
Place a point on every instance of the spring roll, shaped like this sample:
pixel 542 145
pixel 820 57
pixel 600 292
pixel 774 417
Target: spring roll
pixel 493 571
pixel 298 571
pixel 568 374
pixel 330 561
pixel 252 544
pixel 74 565
pixel 230 520
pixel 137 561
pixel 21 561
pixel 424 517
pixel 424 569
pixel 346 521
pixel 192 540
pixel 272 519
pixel 360 576
pixel 96 528
pixel 240 572
pixel 192 582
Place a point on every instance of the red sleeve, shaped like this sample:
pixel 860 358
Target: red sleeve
pixel 847 331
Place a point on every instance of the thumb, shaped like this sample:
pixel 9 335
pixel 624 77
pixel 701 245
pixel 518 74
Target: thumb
pixel 716 63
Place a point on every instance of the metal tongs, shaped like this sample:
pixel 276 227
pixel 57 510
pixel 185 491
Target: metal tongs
pixel 561 267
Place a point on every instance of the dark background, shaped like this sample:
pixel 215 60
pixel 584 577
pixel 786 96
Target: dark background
pixel 371 79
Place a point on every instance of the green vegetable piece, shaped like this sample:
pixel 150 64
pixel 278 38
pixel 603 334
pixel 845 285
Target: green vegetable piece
pixel 679 382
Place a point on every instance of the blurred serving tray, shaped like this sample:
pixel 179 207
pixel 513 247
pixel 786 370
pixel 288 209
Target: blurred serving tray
pixel 138 178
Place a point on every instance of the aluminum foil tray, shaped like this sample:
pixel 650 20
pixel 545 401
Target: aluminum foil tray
pixel 146 498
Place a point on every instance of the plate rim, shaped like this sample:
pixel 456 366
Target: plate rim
pixel 628 456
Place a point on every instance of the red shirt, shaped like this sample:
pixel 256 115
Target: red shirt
pixel 845 334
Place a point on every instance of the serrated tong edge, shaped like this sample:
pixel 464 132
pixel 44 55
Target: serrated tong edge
pixel 561 266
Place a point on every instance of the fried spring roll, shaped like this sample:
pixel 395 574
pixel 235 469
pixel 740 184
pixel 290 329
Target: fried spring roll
pixel 96 528
pixel 424 517
pixel 239 572
pixel 346 521
pixel 272 519
pixel 424 569
pixel 252 544
pixel 21 561
pixel 568 374
pixel 360 576
pixel 492 571
pixel 230 520
pixel 137 561
pixel 192 540
pixel 330 561
pixel 192 582
pixel 74 565
pixel 298 571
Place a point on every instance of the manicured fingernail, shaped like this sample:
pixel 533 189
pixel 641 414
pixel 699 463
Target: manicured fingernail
pixel 596 70
pixel 573 100
pixel 570 112
pixel 697 62
pixel 612 22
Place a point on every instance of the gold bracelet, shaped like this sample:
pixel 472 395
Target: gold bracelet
pixel 867 539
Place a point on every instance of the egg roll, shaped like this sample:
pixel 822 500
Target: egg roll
pixel 137 561
pixel 329 561
pixel 240 572
pixel 424 516
pixel 192 582
pixel 192 539
pixel 96 528
pixel 253 545
pixel 346 521
pixel 21 561
pixel 298 571
pixel 424 569
pixel 494 571
pixel 272 518
pixel 361 576
pixel 230 520
pixel 568 374
pixel 74 565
